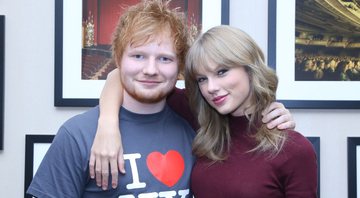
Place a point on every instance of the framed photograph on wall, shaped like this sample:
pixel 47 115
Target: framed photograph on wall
pixel 83 36
pixel 315 141
pixel 353 144
pixel 2 78
pixel 315 48
pixel 36 147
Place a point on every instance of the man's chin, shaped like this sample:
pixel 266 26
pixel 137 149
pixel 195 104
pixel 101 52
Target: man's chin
pixel 150 98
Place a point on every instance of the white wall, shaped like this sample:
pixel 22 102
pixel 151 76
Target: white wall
pixel 29 85
pixel 29 90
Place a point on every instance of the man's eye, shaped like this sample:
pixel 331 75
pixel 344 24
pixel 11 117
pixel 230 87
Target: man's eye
pixel 138 56
pixel 165 59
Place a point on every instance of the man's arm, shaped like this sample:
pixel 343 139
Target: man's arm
pixel 60 173
pixel 276 115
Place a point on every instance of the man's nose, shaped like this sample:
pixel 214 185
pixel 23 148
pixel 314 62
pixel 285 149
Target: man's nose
pixel 151 67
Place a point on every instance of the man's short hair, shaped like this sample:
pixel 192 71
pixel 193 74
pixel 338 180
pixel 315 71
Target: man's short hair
pixel 141 22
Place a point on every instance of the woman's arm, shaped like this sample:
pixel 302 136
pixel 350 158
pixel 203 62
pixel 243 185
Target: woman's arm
pixel 300 168
pixel 107 148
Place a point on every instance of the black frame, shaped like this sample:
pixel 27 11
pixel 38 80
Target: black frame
pixel 59 100
pixel 30 141
pixel 352 143
pixel 299 104
pixel 315 141
pixel 225 12
pixel 2 78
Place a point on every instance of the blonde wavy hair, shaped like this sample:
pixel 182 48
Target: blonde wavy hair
pixel 142 22
pixel 230 47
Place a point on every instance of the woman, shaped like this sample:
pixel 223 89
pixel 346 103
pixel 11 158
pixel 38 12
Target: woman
pixel 230 87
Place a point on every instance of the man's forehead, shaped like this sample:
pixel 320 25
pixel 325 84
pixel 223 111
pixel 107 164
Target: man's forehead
pixel 159 37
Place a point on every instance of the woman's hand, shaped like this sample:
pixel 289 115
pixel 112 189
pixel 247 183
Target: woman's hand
pixel 276 115
pixel 106 151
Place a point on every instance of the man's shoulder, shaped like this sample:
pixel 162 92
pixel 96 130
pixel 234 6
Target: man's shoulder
pixel 176 119
pixel 85 121
pixel 89 115
pixel 170 113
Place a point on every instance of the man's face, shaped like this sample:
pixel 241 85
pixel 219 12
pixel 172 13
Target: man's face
pixel 149 72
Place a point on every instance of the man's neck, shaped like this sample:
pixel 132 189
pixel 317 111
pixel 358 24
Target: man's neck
pixel 139 107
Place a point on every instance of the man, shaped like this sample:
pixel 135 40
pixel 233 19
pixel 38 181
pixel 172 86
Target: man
pixel 149 46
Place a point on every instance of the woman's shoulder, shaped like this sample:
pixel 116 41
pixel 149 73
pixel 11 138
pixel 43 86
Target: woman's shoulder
pixel 298 144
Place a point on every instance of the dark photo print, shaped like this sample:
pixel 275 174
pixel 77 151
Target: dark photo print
pixel 98 23
pixel 327 43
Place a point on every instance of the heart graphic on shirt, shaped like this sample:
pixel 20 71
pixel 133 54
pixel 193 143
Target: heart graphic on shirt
pixel 167 168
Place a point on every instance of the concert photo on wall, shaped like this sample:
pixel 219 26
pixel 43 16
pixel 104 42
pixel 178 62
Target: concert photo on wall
pixel 327 43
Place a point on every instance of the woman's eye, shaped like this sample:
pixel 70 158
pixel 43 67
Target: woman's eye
pixel 201 79
pixel 222 71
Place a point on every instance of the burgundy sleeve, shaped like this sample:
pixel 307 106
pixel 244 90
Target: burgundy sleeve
pixel 179 102
pixel 301 168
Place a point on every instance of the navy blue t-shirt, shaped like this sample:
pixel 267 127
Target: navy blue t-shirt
pixel 157 153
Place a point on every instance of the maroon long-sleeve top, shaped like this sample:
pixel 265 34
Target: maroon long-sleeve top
pixel 291 174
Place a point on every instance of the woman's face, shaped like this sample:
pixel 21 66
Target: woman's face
pixel 225 89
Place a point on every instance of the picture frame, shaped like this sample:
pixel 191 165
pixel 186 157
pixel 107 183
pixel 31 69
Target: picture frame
pixel 70 88
pixel 315 141
pixel 36 147
pixel 2 79
pixel 281 56
pixel 353 151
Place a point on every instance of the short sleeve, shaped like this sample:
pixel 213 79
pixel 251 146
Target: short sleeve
pixel 60 173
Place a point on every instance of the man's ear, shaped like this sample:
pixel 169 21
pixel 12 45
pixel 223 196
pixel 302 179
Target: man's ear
pixel 117 61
